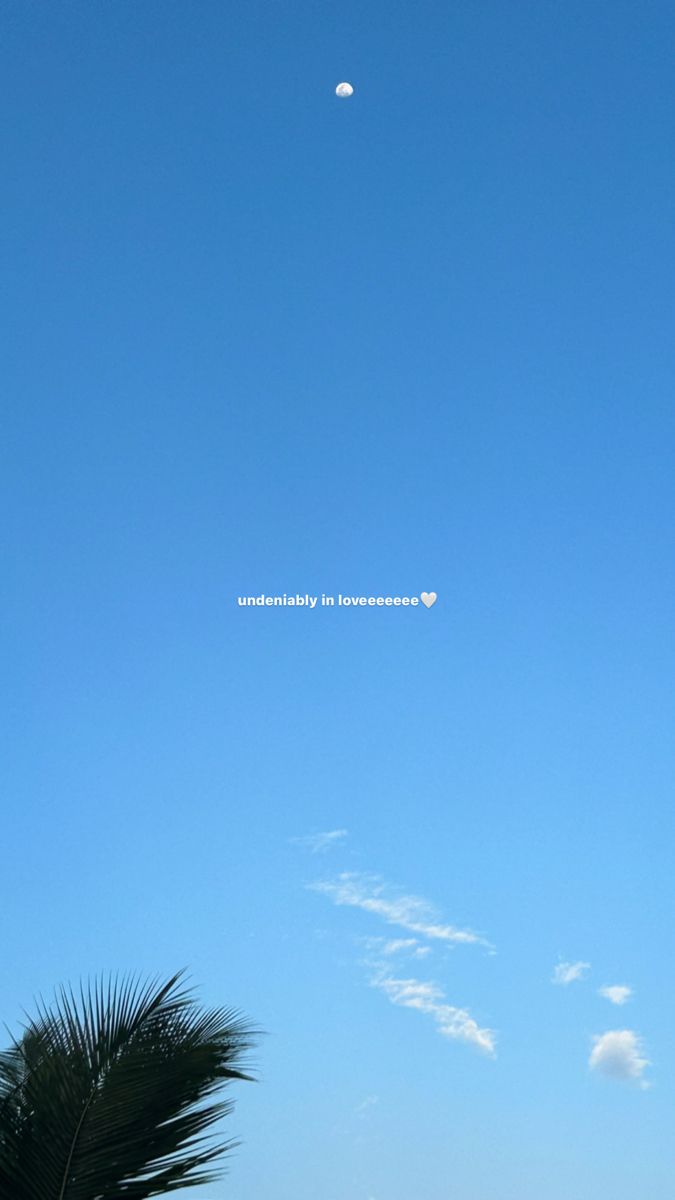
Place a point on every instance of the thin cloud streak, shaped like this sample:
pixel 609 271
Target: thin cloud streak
pixel 405 946
pixel 411 913
pixel 319 843
pixel 429 998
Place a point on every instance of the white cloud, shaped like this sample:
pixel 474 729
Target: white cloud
pixel 618 993
pixel 412 913
pixel 429 998
pixel 401 946
pixel 318 843
pixel 566 972
pixel 417 916
pixel 397 944
pixel 619 1054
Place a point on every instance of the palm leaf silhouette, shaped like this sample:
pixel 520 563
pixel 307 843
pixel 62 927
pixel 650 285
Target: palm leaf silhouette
pixel 112 1093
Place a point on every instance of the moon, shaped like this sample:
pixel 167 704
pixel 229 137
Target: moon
pixel 343 90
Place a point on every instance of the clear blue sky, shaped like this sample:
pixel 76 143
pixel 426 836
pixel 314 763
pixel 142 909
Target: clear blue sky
pixel 257 339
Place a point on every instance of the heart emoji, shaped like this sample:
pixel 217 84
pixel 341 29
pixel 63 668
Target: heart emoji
pixel 428 598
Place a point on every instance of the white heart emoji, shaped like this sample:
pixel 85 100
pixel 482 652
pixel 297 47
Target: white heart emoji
pixel 428 598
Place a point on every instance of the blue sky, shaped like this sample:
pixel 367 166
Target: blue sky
pixel 258 340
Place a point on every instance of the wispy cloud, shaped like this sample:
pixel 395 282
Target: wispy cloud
pixel 391 947
pixel 619 1054
pixel 566 973
pixel 416 916
pixel 318 843
pixel 429 998
pixel 396 945
pixel 366 1105
pixel 370 893
pixel 617 993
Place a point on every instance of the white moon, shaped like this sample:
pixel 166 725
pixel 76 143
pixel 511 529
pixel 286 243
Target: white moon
pixel 343 90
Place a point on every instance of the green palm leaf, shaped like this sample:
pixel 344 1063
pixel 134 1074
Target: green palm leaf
pixel 112 1094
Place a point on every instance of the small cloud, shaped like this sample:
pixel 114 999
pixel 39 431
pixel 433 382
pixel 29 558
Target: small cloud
pixel 370 893
pixel 405 946
pixel 618 993
pixel 397 944
pixel 365 1105
pixel 566 973
pixel 318 843
pixel 429 998
pixel 619 1054
pixel 388 948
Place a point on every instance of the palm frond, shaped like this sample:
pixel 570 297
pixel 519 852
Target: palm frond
pixel 112 1094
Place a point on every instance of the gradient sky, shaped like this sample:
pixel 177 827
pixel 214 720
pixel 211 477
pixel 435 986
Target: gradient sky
pixel 257 339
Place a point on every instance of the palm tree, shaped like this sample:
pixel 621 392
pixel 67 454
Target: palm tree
pixel 109 1094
